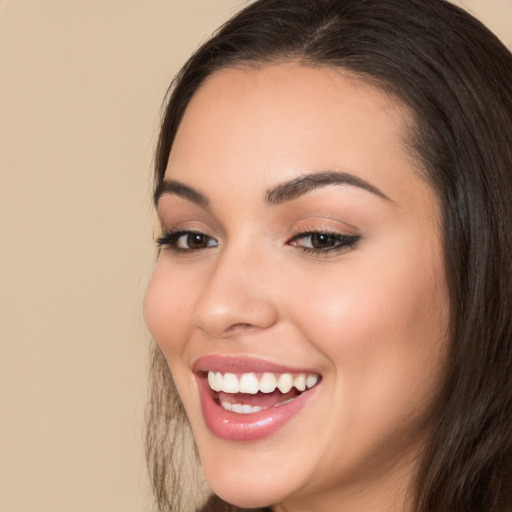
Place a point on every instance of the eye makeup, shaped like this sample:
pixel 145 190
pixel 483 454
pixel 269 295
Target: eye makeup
pixel 324 242
pixel 185 241
pixel 315 242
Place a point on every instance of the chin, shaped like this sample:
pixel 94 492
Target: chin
pixel 246 492
pixel 247 484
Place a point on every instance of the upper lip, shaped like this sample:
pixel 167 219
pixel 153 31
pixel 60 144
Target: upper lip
pixel 242 364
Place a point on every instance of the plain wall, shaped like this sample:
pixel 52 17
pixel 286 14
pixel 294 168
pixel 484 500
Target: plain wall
pixel 81 82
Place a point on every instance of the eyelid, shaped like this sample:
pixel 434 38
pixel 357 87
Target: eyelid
pixel 178 224
pixel 170 237
pixel 324 225
pixel 302 234
pixel 343 238
pixel 338 244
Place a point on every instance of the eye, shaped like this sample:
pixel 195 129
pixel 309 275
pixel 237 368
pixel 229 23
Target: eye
pixel 186 241
pixel 323 242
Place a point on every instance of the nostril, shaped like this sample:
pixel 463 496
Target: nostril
pixel 240 328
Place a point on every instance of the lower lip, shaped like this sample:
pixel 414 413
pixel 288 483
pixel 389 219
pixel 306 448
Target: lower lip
pixel 248 427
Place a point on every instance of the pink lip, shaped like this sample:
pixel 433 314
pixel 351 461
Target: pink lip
pixel 245 427
pixel 236 364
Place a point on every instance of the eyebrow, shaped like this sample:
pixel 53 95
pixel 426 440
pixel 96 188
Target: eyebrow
pixel 181 190
pixel 304 184
pixel 277 195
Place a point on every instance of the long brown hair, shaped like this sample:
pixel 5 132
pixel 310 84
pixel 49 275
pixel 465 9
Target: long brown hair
pixel 456 78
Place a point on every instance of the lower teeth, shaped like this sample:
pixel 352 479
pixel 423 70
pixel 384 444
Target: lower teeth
pixel 249 409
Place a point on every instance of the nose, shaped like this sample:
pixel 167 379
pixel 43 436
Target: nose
pixel 237 297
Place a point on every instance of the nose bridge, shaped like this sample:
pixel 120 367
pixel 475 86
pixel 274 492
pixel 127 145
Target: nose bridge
pixel 238 293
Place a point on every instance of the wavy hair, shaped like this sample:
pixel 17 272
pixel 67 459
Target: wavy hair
pixel 456 78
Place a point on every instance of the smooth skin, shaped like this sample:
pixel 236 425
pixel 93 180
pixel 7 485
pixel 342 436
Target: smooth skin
pixel 371 317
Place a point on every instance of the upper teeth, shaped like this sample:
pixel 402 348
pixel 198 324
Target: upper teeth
pixel 267 383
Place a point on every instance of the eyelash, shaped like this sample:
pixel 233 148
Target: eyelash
pixel 341 242
pixel 170 239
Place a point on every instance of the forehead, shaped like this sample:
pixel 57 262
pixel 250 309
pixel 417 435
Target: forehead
pixel 265 124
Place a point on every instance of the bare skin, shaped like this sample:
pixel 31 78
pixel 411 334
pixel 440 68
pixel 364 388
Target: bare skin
pixel 365 307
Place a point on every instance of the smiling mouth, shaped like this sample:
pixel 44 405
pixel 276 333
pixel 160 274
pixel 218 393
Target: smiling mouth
pixel 249 393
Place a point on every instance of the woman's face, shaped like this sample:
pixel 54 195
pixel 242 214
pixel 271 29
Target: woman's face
pixel 300 248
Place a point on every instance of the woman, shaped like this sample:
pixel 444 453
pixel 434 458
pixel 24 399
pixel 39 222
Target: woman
pixel 333 289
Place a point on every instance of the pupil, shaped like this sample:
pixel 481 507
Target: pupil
pixel 196 241
pixel 322 240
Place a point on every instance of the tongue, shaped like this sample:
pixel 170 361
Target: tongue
pixel 260 399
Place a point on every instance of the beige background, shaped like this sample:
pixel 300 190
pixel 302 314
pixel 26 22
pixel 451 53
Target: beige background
pixel 81 83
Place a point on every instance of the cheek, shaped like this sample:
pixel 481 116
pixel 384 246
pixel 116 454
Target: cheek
pixel 382 324
pixel 166 305
pixel 382 327
pixel 167 311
